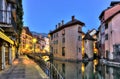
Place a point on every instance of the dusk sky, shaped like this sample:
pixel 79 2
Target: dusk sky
pixel 42 15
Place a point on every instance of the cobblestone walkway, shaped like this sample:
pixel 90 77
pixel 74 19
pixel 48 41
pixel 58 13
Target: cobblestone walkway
pixel 24 68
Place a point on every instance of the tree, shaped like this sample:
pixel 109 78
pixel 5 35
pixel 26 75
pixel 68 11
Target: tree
pixel 19 13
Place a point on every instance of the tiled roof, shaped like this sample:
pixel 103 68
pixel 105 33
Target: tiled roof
pixel 110 11
pixel 114 3
pixel 68 24
pixel 27 31
pixel 88 37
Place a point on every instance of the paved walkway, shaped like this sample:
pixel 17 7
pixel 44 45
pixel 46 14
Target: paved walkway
pixel 23 68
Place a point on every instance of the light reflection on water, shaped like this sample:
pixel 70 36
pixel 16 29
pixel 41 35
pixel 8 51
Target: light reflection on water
pixel 88 70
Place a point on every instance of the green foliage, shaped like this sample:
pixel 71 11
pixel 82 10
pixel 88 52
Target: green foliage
pixel 19 12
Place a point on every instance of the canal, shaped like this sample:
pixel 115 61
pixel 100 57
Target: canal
pixel 87 70
pixel 83 70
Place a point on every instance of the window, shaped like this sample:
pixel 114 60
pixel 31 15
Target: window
pixel 53 42
pixel 106 26
pixel 106 37
pixel 54 50
pixel 1 12
pixel 79 50
pixel 79 29
pixel 51 37
pixel 56 34
pixel 56 41
pixel 107 53
pixel 63 51
pixel 63 32
pixel 79 38
pixel 63 40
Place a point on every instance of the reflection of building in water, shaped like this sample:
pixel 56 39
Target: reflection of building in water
pixel 69 70
pixel 89 70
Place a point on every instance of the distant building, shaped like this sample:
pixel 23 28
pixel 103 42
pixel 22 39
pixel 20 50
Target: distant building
pixel 109 31
pixel 66 40
pixel 37 45
pixel 90 44
pixel 89 47
pixel 93 33
pixel 42 42
pixel 47 46
pixel 26 45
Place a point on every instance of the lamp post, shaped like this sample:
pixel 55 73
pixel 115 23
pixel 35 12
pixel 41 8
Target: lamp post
pixel 34 42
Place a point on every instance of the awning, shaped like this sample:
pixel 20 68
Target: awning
pixel 6 38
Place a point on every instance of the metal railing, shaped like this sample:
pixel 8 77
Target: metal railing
pixel 47 67
pixel 54 72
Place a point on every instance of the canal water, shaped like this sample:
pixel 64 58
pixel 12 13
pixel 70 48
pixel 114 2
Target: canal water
pixel 87 70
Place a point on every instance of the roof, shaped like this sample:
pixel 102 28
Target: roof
pixel 81 32
pixel 110 11
pixel 68 24
pixel 92 30
pixel 114 3
pixel 112 16
pixel 27 31
pixel 88 37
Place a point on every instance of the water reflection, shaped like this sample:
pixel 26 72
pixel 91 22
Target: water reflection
pixel 87 70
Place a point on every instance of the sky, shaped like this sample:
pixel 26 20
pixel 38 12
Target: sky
pixel 43 15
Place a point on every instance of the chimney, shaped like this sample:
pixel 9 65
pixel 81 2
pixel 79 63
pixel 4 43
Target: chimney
pixel 73 18
pixel 56 26
pixel 62 22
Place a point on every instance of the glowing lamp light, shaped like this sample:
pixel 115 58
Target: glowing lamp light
pixel 34 40
pixel 83 68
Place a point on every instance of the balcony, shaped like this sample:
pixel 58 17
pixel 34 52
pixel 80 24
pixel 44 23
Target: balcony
pixel 7 22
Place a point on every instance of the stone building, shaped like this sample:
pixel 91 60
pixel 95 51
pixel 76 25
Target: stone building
pixel 89 45
pixel 66 40
pixel 36 45
pixel 26 41
pixel 8 32
pixel 109 31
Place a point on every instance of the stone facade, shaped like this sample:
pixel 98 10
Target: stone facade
pixel 109 32
pixel 66 41
pixel 8 32
pixel 26 41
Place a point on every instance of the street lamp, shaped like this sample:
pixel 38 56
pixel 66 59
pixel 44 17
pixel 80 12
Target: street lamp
pixel 34 41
